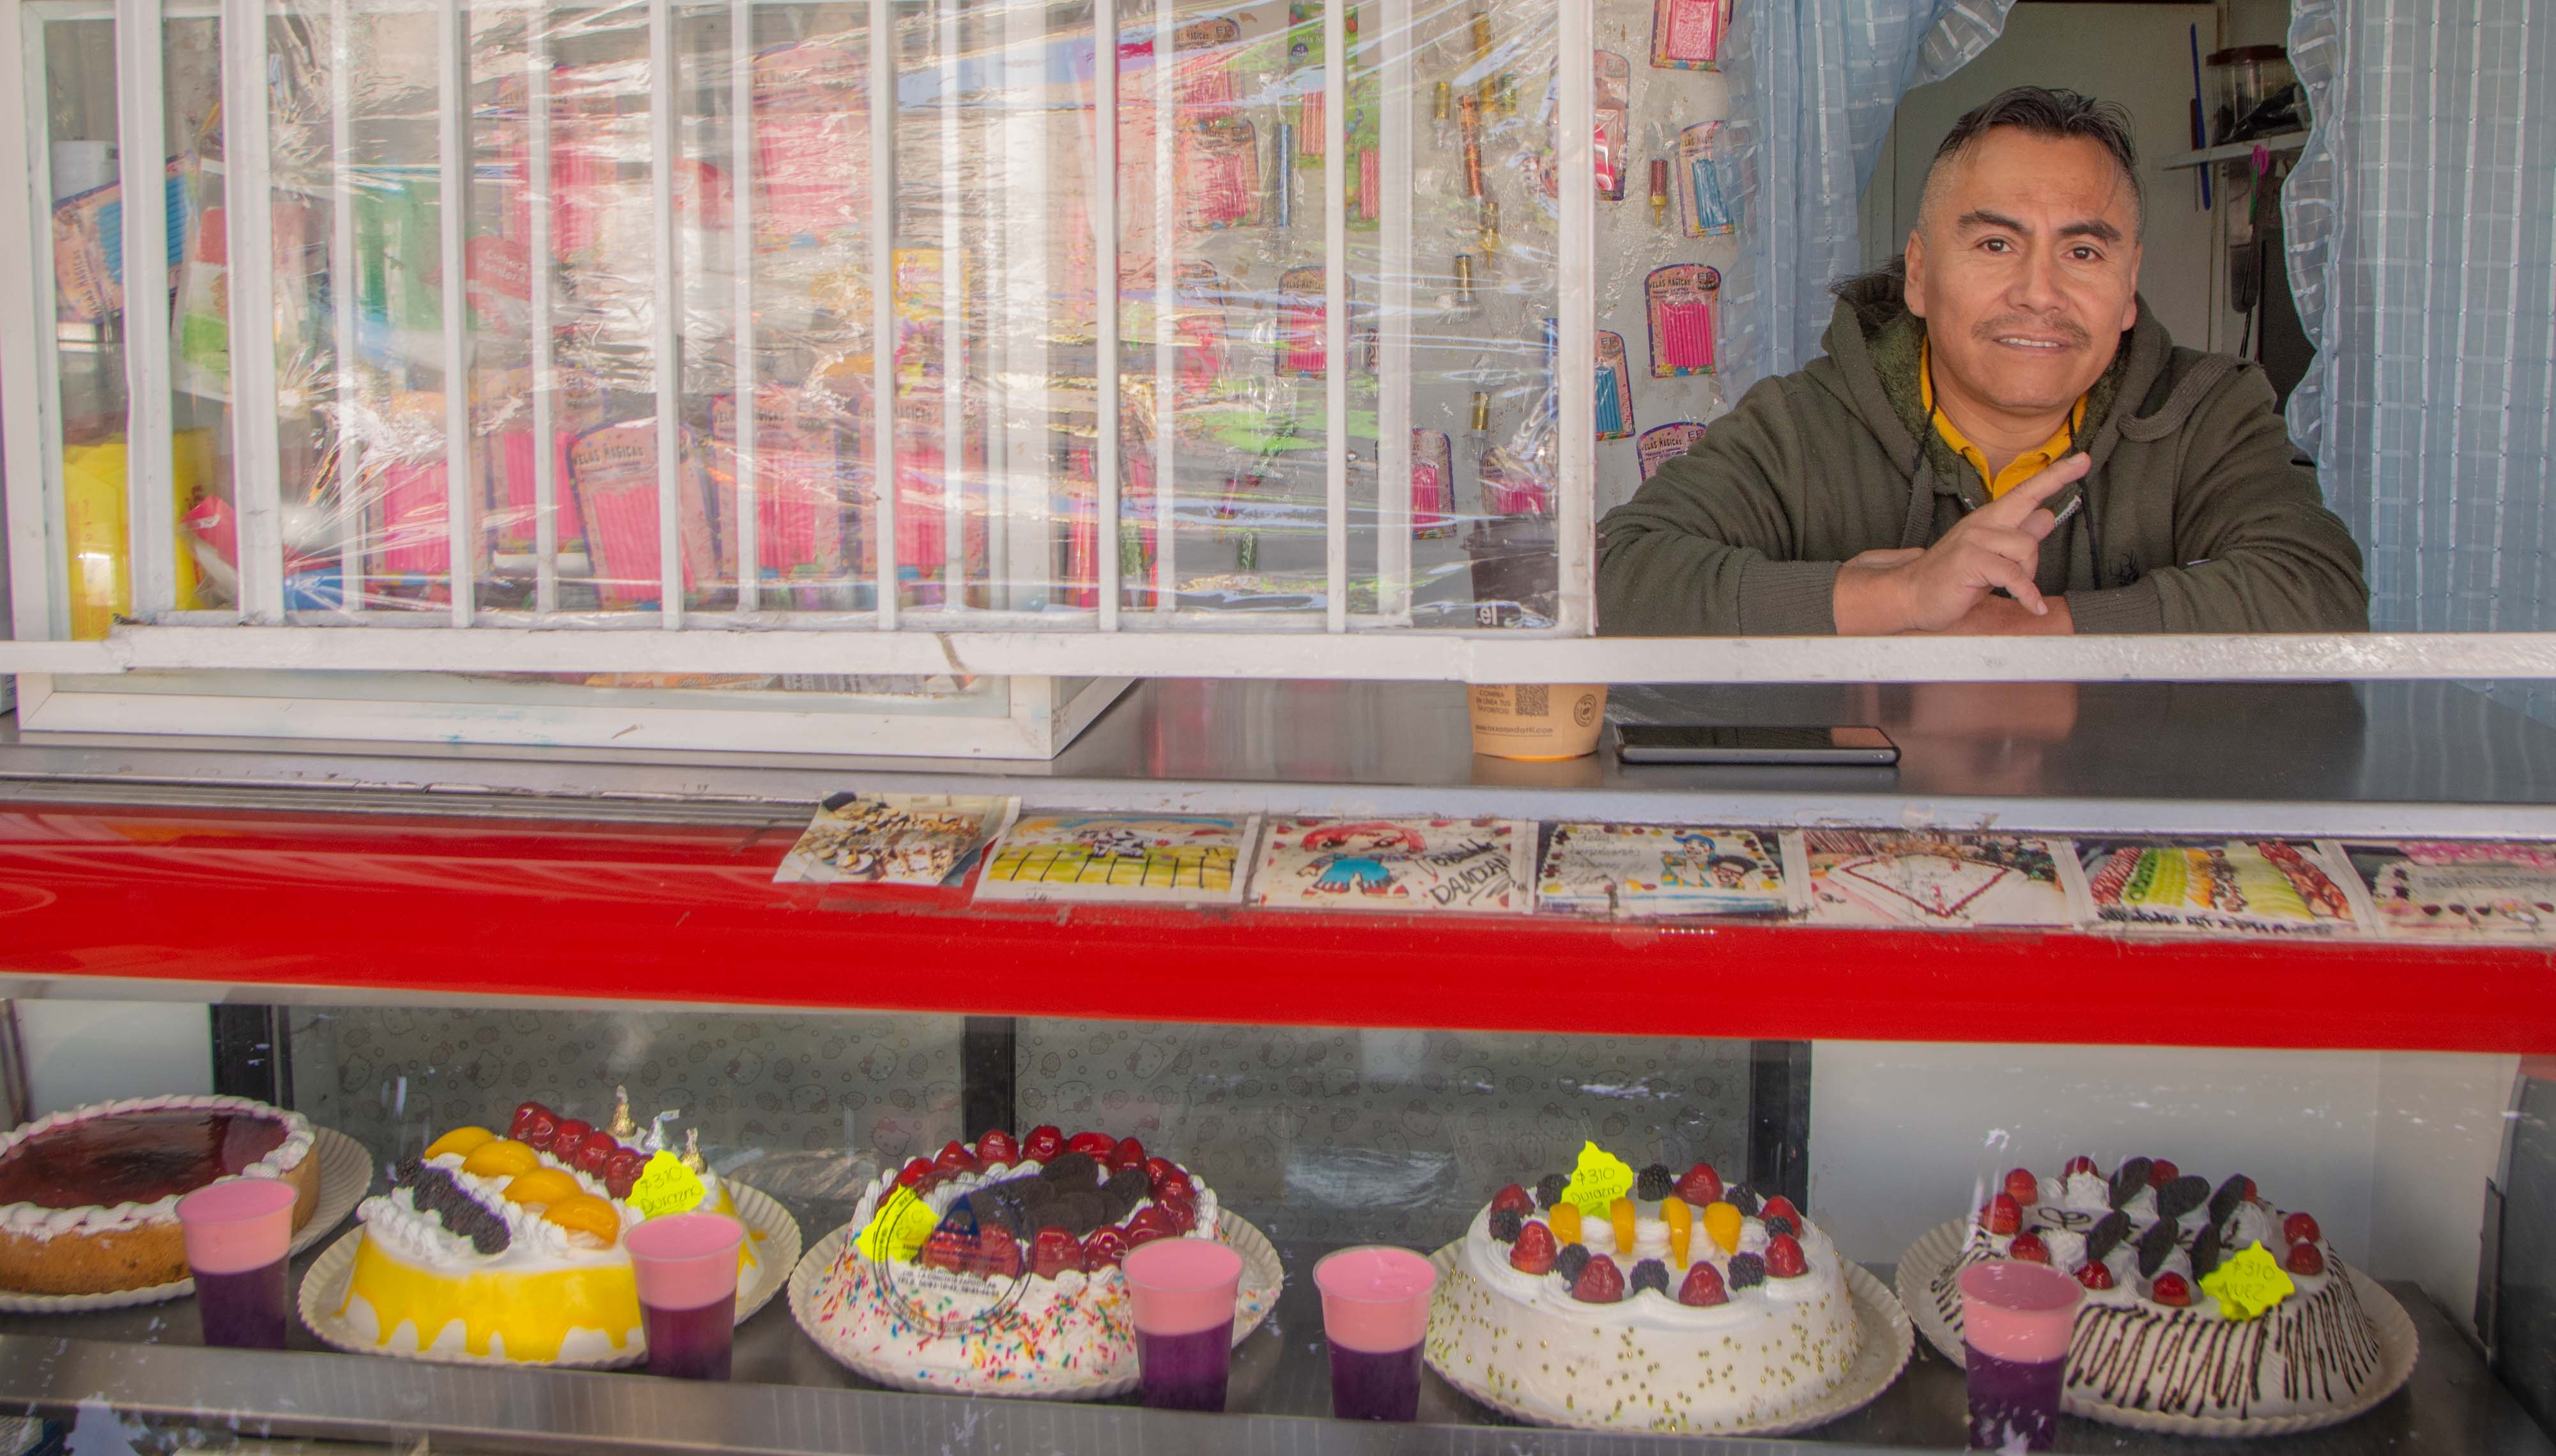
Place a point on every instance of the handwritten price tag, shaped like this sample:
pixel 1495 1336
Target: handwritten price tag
pixel 898 1229
pixel 1601 1178
pixel 665 1186
pixel 2249 1285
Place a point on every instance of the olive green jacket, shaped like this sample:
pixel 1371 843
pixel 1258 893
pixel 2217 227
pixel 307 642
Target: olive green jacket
pixel 2199 515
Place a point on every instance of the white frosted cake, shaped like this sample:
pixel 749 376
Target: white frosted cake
pixel 1687 1307
pixel 1016 1290
pixel 2153 1334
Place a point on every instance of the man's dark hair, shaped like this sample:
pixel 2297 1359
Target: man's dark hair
pixel 2051 115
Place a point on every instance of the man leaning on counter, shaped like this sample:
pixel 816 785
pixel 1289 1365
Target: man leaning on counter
pixel 2000 440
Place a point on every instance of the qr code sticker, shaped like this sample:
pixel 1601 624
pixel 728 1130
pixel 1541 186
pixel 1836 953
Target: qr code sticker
pixel 1535 701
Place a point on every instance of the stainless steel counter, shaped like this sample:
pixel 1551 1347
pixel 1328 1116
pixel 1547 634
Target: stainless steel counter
pixel 2265 758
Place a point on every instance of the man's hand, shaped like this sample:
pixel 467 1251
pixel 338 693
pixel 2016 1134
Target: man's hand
pixel 1997 546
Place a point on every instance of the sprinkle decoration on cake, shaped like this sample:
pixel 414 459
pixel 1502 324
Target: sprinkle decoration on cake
pixel 993 1266
pixel 2201 1299
pixel 510 1247
pixel 88 1198
pixel 1646 1300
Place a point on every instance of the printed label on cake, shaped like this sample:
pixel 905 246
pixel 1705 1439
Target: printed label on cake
pixel 1862 877
pixel 2252 887
pixel 1394 865
pixel 1166 859
pixel 1665 870
pixel 2248 1285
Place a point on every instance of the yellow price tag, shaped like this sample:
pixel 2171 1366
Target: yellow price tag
pixel 665 1186
pixel 2248 1285
pixel 1601 1178
pixel 898 1229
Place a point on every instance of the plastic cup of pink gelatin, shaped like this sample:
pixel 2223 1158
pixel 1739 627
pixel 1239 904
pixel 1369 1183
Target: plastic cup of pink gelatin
pixel 1183 1291
pixel 238 1231
pixel 686 1267
pixel 1376 1312
pixel 2017 1318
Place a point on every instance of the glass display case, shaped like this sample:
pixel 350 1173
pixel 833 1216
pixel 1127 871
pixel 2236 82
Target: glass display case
pixel 2310 962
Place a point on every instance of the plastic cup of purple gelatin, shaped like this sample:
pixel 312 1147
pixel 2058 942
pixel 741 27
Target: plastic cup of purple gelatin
pixel 238 1231
pixel 2017 1318
pixel 1376 1312
pixel 686 1267
pixel 1183 1291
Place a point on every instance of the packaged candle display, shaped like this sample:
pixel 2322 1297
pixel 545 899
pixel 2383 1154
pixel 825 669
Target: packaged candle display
pixel 1701 208
pixel 1681 299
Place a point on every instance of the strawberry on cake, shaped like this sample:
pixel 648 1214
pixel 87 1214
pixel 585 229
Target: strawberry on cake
pixel 2162 1329
pixel 993 1269
pixel 1683 1307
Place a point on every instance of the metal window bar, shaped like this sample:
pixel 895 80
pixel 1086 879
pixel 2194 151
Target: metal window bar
pixel 453 214
pixel 954 312
pixel 1105 293
pixel 1394 318
pixel 1335 318
pixel 882 223
pixel 668 313
pixel 23 467
pixel 741 105
pixel 249 217
pixel 149 444
pixel 1166 272
pixel 344 304
pixel 1575 379
pixel 545 342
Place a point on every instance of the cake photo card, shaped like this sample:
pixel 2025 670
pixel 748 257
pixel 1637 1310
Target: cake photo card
pixel 894 838
pixel 1644 870
pixel 2241 887
pixel 1939 879
pixel 1395 865
pixel 1120 859
pixel 2452 889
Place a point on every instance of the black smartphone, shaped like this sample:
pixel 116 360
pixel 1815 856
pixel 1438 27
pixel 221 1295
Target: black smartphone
pixel 1695 743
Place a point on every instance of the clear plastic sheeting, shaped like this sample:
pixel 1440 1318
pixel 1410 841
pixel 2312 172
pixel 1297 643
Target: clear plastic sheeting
pixel 844 315
pixel 2426 278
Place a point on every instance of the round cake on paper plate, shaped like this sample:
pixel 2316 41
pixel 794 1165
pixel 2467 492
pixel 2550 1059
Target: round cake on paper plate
pixel 993 1269
pixel 88 1198
pixel 2200 1301
pixel 1677 1305
pixel 510 1247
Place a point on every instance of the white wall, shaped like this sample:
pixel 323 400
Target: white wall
pixel 2140 56
pixel 2389 1151
pixel 93 1051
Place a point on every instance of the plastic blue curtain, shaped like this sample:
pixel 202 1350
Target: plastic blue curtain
pixel 1813 86
pixel 2422 227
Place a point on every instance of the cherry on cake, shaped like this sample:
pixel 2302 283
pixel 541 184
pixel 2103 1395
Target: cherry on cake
pixel 1682 1305
pixel 993 1267
pixel 2162 1328
pixel 510 1247
pixel 88 1198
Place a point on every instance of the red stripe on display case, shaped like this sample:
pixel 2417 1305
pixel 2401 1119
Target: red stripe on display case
pixel 687 913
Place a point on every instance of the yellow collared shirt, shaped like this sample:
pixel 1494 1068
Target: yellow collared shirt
pixel 2018 471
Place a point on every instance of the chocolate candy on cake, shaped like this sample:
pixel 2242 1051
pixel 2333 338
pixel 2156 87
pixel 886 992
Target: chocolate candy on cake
pixel 2106 1235
pixel 2182 1195
pixel 2130 1181
pixel 2235 1190
pixel 2206 1251
pixel 2157 1246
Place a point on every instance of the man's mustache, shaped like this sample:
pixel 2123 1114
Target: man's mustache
pixel 2067 328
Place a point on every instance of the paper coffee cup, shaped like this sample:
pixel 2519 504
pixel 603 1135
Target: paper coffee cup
pixel 1538 721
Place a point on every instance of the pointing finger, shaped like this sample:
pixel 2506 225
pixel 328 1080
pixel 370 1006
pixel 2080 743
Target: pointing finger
pixel 2030 496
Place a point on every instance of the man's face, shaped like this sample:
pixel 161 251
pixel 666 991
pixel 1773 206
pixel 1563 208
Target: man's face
pixel 2025 266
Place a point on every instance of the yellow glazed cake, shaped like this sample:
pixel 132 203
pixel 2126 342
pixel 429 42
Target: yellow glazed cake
pixel 510 1247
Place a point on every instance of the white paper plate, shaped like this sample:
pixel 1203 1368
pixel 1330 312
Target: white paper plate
pixel 776 1235
pixel 1881 1353
pixel 345 1175
pixel 1261 1278
pixel 2398 1346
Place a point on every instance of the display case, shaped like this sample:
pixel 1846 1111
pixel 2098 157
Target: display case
pixel 317 932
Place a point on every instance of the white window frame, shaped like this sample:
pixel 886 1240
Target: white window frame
pixel 1107 643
